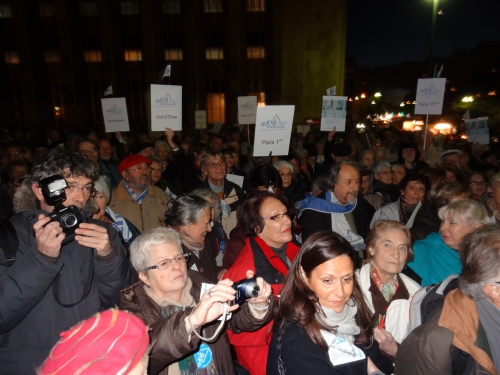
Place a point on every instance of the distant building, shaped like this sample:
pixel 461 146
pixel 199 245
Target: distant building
pixel 58 57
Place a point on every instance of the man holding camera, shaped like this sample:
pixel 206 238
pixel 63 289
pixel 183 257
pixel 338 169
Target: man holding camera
pixel 60 275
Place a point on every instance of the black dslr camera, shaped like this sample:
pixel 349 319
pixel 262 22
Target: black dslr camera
pixel 53 190
pixel 245 289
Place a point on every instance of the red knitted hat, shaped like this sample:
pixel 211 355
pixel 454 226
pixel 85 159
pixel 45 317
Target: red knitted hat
pixel 132 160
pixel 111 342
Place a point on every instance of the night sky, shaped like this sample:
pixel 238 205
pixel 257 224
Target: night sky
pixel 391 31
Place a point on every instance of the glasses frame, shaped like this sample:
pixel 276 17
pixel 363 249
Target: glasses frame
pixel 476 183
pixel 72 190
pixel 289 214
pixel 170 263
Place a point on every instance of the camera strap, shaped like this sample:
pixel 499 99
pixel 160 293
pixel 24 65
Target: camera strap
pixel 86 289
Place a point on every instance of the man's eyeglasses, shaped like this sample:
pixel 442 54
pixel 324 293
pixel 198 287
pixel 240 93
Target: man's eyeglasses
pixel 476 183
pixel 384 173
pixel 216 165
pixel 73 190
pixel 167 263
pixel 91 151
pixel 279 217
pixel 140 169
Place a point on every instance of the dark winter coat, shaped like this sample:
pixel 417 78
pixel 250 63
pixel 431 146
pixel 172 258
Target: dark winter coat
pixel 31 318
pixel 169 335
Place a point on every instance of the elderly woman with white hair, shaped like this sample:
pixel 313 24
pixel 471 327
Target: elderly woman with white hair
pixel 102 195
pixel 290 189
pixel 436 257
pixel 186 335
pixel 382 183
pixel 462 338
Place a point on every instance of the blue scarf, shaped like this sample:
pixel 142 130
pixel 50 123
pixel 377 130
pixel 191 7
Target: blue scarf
pixel 137 197
pixel 323 205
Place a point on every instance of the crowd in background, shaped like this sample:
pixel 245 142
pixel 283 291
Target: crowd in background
pixel 374 211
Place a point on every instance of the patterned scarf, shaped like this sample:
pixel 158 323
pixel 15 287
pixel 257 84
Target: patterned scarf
pixel 137 197
pixel 387 289
pixel 119 224
pixel 406 212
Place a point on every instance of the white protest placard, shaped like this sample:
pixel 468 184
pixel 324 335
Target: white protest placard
pixel 333 113
pixel 114 111
pixel 273 129
pixel 477 130
pixel 430 94
pixel 235 179
pixel 303 129
pixel 166 107
pixel 200 119
pixel 217 127
pixel 247 109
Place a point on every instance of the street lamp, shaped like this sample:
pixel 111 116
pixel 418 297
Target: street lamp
pixel 433 29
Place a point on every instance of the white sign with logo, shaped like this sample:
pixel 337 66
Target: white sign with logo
pixel 477 130
pixel 333 113
pixel 166 107
pixel 430 94
pixel 200 119
pixel 273 128
pixel 114 111
pixel 247 109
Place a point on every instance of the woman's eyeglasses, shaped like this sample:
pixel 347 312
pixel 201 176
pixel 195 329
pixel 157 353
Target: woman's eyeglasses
pixel 167 263
pixel 279 217
pixel 476 183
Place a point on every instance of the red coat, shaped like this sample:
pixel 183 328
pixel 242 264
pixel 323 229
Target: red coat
pixel 251 347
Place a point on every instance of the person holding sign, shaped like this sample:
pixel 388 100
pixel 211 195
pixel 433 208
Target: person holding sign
pixel 230 194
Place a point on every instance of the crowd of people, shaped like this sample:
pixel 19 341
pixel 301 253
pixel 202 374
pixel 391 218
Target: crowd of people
pixel 189 255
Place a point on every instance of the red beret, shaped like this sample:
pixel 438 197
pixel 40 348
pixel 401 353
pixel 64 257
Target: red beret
pixel 111 342
pixel 132 160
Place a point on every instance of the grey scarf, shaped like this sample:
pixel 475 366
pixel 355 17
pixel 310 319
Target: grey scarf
pixel 343 324
pixel 489 316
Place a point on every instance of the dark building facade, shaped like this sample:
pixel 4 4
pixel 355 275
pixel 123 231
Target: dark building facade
pixel 59 56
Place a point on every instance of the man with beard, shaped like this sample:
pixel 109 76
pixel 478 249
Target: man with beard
pixel 135 199
pixel 48 285
pixel 337 208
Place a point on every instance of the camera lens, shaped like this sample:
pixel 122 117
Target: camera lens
pixel 69 220
pixel 252 290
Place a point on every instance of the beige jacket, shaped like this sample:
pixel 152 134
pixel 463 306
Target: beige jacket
pixel 147 215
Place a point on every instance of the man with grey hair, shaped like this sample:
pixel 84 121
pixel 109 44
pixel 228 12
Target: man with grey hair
pixel 464 336
pixel 382 182
pixel 229 194
pixel 337 207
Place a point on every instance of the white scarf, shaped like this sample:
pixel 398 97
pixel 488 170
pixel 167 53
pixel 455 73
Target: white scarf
pixel 340 339
pixel 342 227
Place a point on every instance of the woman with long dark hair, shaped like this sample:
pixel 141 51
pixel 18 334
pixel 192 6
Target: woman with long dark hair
pixel 323 325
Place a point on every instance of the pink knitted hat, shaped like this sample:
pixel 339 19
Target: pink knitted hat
pixel 111 342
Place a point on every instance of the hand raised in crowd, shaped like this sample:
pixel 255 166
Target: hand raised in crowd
pixel 209 307
pixel 385 341
pixel 169 133
pixel 94 236
pixel 49 236
pixel 331 133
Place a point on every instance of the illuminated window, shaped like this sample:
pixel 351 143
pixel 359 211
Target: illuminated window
pixel 256 52
pixel 12 58
pixel 5 11
pixel 92 55
pixel 173 54
pixel 213 6
pixel 88 9
pixel 214 53
pixel 130 8
pixel 133 55
pixel 46 10
pixel 216 108
pixel 52 57
pixel 256 5
pixel 171 6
